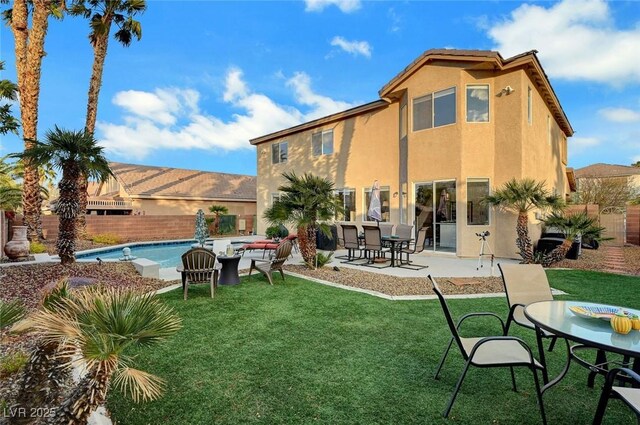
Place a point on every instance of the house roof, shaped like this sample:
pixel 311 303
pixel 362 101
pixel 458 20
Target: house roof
pixel 527 60
pixel 606 170
pixel 320 121
pixel 144 181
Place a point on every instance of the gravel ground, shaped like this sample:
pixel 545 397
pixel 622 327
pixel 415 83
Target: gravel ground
pixel 594 259
pixel 632 259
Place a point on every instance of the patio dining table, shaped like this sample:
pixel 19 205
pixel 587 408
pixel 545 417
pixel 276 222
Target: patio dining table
pixel 596 333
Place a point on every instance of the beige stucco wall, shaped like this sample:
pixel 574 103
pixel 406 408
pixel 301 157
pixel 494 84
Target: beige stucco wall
pixel 366 148
pixel 188 207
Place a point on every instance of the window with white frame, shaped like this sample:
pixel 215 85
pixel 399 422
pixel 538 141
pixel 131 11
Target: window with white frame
pixel 529 105
pixel 478 103
pixel 347 199
pixel 384 203
pixel 279 152
pixel 477 211
pixel 322 143
pixel 435 109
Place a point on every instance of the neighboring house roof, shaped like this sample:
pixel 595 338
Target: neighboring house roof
pixel 606 170
pixel 143 181
pixel 528 60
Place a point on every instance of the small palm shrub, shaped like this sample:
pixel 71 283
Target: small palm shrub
pixel 106 239
pixel 320 260
pixel 11 312
pixel 37 248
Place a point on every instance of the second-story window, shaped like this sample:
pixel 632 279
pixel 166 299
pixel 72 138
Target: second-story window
pixel 279 152
pixel 322 143
pixel 478 103
pixel 435 109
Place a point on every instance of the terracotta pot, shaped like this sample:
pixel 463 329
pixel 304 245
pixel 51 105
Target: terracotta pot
pixel 18 247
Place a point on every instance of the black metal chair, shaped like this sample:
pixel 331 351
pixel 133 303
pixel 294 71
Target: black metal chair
pixel 373 244
pixel 418 247
pixel 630 396
pixel 351 242
pixel 485 352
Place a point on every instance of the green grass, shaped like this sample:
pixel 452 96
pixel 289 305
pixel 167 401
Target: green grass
pixel 299 352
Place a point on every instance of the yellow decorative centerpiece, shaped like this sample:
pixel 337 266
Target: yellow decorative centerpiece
pixel 635 322
pixel 621 323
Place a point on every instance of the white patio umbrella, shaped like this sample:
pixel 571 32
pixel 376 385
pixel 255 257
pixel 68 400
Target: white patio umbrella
pixel 375 210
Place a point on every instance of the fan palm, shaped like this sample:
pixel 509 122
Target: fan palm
pixel 101 325
pixel 217 210
pixel 8 91
pixel 102 14
pixel 522 197
pixel 307 202
pixel 75 153
pixel 572 226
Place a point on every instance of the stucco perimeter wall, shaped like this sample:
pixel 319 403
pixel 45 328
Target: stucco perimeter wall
pixel 365 148
pixel 134 227
pixel 181 206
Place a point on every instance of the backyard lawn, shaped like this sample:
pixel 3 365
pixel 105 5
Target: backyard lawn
pixel 300 352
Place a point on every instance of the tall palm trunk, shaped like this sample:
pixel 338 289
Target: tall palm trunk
pixel 67 209
pixel 307 242
pixel 90 393
pixel 523 242
pixel 558 254
pixel 29 50
pixel 100 44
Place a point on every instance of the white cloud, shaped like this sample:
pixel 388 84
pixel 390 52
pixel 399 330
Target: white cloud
pixel 623 115
pixel 581 144
pixel 576 40
pixel 354 47
pixel 171 119
pixel 347 6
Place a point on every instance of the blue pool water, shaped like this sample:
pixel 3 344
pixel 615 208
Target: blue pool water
pixel 166 254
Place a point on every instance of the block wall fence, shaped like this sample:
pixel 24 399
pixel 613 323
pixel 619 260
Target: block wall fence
pixel 136 227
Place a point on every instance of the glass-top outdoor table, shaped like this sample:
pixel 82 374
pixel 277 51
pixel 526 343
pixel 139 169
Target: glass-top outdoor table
pixel 556 318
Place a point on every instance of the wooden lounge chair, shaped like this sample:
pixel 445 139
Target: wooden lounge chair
pixel 485 352
pixel 630 396
pixel 266 267
pixel 199 266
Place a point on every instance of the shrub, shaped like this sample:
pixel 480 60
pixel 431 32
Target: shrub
pixel 272 232
pixel 12 363
pixel 11 312
pixel 106 238
pixel 37 248
pixel 321 260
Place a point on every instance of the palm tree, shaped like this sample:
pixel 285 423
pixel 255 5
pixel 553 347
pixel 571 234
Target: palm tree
pixel 102 14
pixel 217 210
pixel 522 197
pixel 307 202
pixel 29 51
pixel 102 324
pixel 572 225
pixel 10 190
pixel 75 153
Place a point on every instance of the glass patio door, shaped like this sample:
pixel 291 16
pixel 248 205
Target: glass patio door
pixel 435 209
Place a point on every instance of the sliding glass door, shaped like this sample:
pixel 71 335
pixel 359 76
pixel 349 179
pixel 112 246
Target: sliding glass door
pixel 435 209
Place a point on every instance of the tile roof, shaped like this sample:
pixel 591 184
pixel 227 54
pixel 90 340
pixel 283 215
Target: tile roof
pixel 146 181
pixel 606 170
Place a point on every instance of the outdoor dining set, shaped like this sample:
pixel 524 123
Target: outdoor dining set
pixel 370 246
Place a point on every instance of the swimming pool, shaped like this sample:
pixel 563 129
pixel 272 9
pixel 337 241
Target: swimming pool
pixel 167 254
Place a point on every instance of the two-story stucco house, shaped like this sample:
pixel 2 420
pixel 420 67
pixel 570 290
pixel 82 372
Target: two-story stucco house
pixel 449 128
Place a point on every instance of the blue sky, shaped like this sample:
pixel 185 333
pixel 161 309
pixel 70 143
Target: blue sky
pixel 208 75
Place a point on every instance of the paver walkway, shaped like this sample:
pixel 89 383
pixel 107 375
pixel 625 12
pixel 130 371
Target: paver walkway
pixel 614 260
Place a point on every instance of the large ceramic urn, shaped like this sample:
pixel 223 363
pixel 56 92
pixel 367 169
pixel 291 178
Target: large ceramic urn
pixel 18 247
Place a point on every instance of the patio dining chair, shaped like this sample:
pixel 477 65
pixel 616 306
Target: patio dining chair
pixel 418 247
pixel 630 396
pixel 525 284
pixel 373 244
pixel 404 231
pixel 267 267
pixel 352 242
pixel 199 266
pixel 485 352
